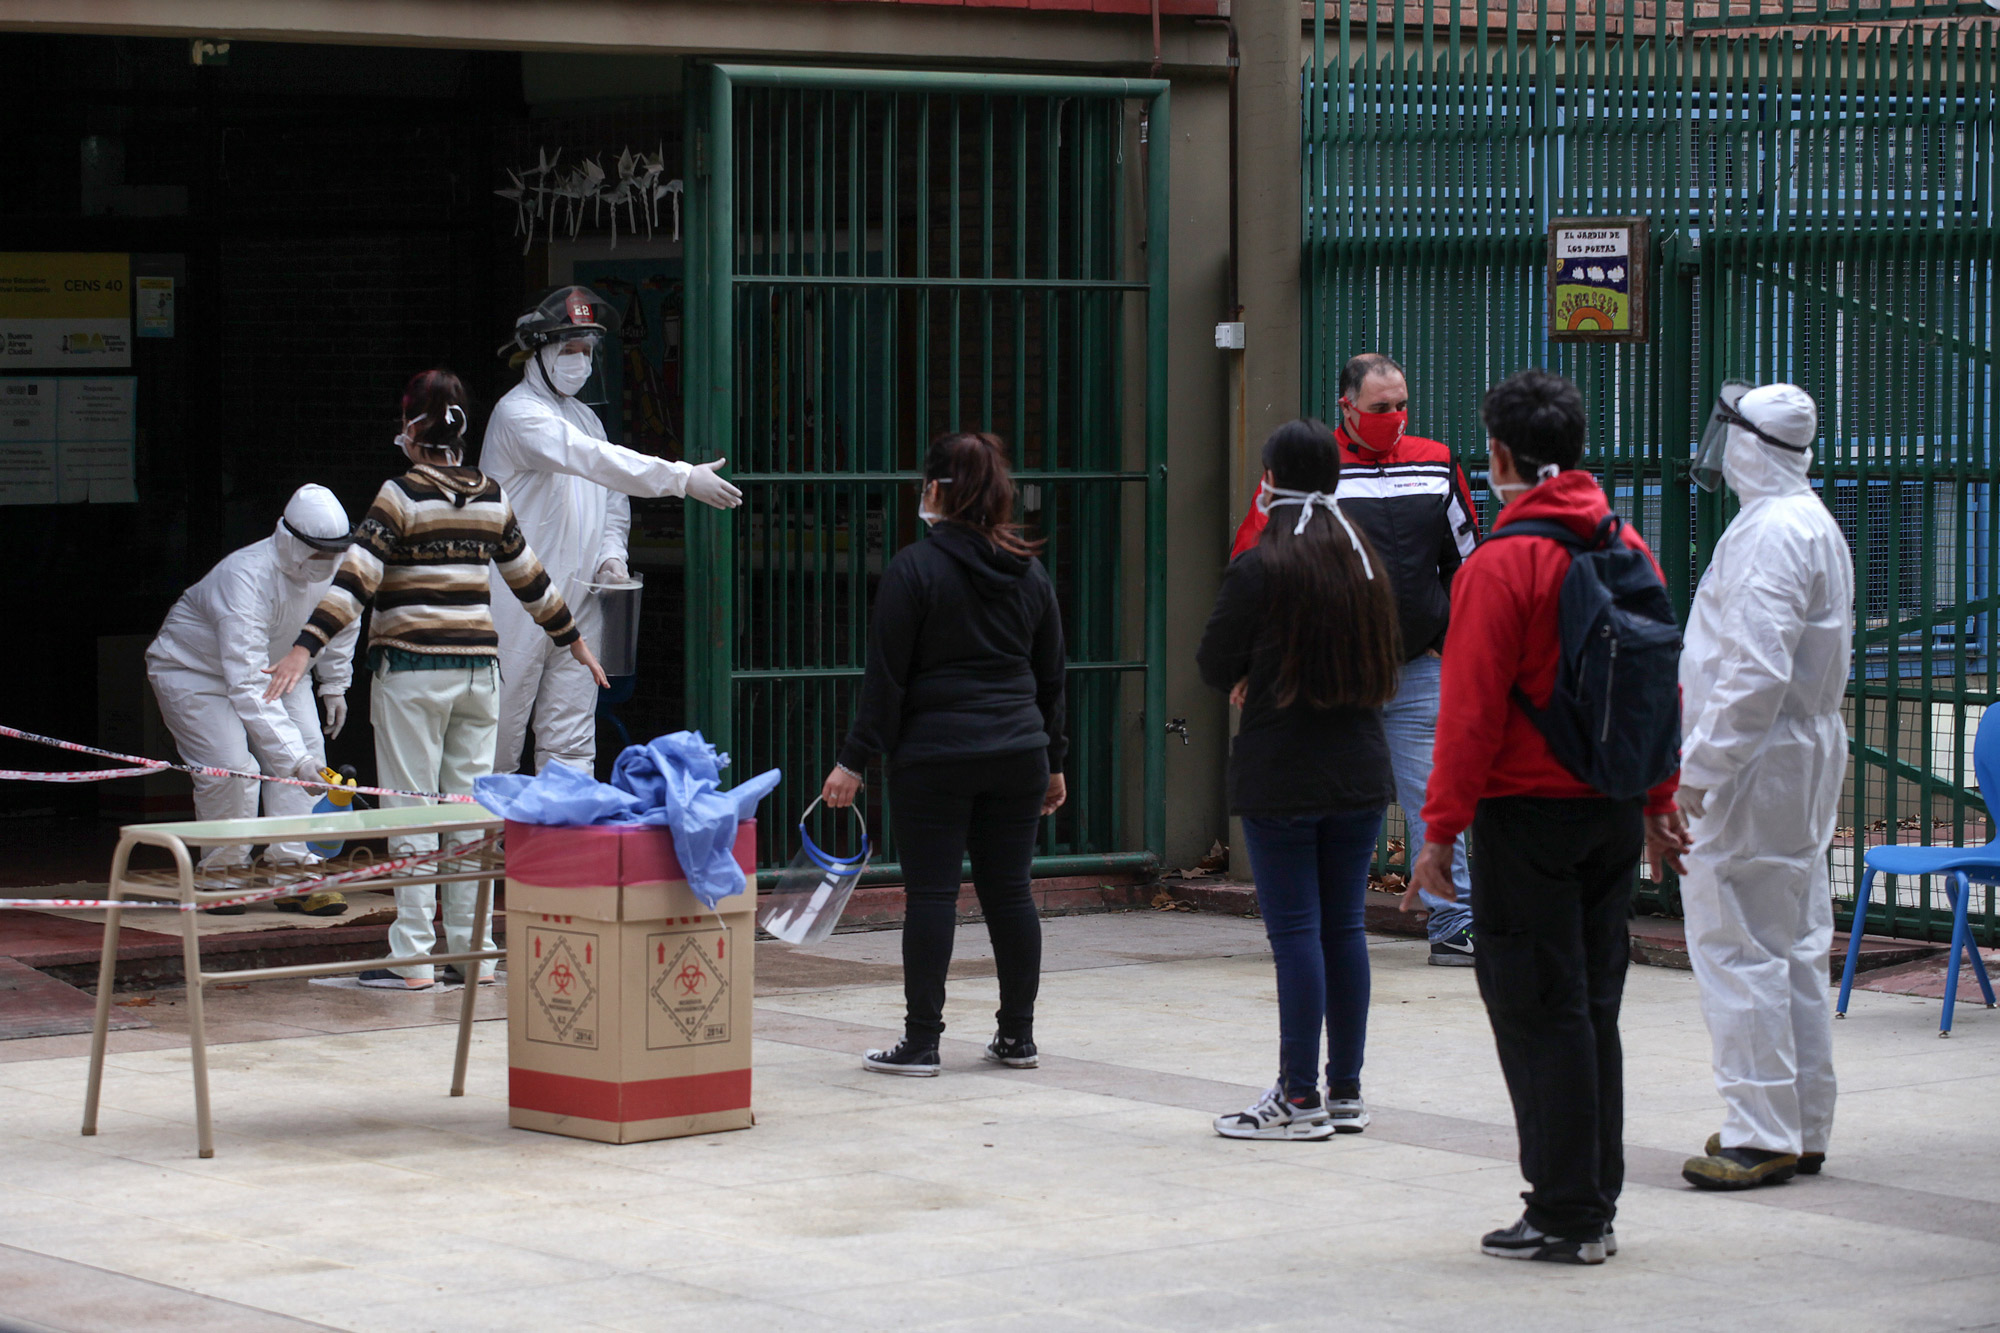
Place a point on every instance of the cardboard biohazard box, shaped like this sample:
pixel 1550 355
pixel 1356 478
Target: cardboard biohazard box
pixel 628 1002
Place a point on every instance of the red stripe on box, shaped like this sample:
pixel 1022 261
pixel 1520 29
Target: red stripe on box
pixel 623 1103
pixel 561 858
pixel 587 858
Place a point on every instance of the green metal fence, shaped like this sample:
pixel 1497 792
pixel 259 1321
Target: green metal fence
pixel 879 257
pixel 1821 204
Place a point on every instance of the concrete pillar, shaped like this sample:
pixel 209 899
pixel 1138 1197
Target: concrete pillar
pixel 1265 388
pixel 1267 228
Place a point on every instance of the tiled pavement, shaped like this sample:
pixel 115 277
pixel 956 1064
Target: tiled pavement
pixel 348 1191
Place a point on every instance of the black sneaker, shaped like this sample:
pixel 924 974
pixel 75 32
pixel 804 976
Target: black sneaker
pixel 911 1058
pixel 1522 1241
pixel 1454 950
pixel 1013 1052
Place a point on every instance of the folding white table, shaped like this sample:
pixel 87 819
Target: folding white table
pixel 186 884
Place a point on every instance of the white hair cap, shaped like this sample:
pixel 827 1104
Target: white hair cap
pixel 314 511
pixel 1782 411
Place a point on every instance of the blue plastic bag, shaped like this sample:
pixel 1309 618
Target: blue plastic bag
pixel 673 781
pixel 678 779
pixel 559 796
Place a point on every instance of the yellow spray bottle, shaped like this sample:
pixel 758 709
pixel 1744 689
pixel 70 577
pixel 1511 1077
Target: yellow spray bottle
pixel 339 797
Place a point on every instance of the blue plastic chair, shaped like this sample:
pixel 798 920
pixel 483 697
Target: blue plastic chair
pixel 1961 866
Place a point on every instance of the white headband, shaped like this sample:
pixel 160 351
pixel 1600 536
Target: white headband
pixel 1272 496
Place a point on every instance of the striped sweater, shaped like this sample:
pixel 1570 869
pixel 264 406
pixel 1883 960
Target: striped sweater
pixel 420 559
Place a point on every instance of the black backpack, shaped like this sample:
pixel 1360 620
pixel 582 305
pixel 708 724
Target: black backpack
pixel 1614 719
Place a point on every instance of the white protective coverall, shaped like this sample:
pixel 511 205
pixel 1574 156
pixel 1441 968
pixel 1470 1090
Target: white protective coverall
pixel 1765 665
pixel 207 670
pixel 569 487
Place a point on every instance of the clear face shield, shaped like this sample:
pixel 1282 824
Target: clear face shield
pixel 813 891
pixel 1707 469
pixel 564 336
pixel 322 554
pixel 571 365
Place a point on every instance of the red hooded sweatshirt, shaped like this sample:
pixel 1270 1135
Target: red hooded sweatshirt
pixel 1504 633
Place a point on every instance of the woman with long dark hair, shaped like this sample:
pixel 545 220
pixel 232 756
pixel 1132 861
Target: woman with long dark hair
pixel 963 698
pixel 1304 636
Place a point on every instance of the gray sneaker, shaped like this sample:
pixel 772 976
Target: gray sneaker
pixel 1276 1116
pixel 1522 1241
pixel 1348 1114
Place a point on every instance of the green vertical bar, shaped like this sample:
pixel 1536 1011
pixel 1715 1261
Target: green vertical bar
pixel 1311 212
pixel 1676 429
pixel 1158 203
pixel 713 716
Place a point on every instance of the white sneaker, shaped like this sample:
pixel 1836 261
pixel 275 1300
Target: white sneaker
pixel 1348 1114
pixel 1275 1116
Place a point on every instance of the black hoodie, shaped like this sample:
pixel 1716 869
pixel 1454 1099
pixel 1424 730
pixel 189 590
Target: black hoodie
pixel 965 657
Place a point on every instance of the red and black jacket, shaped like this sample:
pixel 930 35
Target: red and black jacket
pixel 1417 511
pixel 1506 635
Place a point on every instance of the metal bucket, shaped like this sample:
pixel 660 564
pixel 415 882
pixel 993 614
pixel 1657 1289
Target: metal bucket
pixel 618 648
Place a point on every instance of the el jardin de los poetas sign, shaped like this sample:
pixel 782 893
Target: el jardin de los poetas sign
pixel 1597 279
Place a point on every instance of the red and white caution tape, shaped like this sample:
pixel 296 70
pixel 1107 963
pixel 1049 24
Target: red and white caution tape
pixel 144 766
pixel 296 889
pixel 92 775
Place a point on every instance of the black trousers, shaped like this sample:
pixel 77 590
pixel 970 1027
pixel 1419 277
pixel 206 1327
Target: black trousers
pixel 1551 891
pixel 988 808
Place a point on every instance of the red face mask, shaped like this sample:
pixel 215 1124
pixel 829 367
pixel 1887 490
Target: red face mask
pixel 1377 432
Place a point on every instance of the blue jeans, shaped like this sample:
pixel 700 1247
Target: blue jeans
pixel 1312 879
pixel 1410 722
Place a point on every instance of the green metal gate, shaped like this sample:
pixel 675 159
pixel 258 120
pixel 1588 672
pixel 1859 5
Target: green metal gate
pixel 1821 204
pixel 875 257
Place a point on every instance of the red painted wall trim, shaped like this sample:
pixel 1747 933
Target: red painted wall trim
pixel 1196 8
pixel 623 1103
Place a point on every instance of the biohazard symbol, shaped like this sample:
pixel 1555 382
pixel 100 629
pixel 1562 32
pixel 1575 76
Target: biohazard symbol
pixel 564 992
pixel 689 989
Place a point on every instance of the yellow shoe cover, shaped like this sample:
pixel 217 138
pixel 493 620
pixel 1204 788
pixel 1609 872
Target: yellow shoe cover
pixel 1809 1162
pixel 323 903
pixel 1732 1169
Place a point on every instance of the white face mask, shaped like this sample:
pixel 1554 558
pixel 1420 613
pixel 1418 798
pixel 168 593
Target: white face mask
pixel 1545 472
pixel 570 372
pixel 929 515
pixel 1271 497
pixel 417 453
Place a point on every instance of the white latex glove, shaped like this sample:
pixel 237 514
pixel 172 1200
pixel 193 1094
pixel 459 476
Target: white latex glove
pixel 1693 801
pixel 336 713
pixel 715 491
pixel 307 770
pixel 613 570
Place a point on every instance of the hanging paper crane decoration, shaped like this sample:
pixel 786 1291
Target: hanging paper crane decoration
pixel 539 192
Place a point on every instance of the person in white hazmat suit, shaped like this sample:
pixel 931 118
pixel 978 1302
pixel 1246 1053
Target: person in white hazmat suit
pixel 207 667
pixel 570 489
pixel 1763 755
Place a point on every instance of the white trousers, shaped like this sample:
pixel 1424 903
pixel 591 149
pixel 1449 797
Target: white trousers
pixel 433 732
pixel 543 687
pixel 1759 928
pixel 208 732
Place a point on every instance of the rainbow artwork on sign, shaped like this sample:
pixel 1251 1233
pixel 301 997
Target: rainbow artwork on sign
pixel 1593 280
